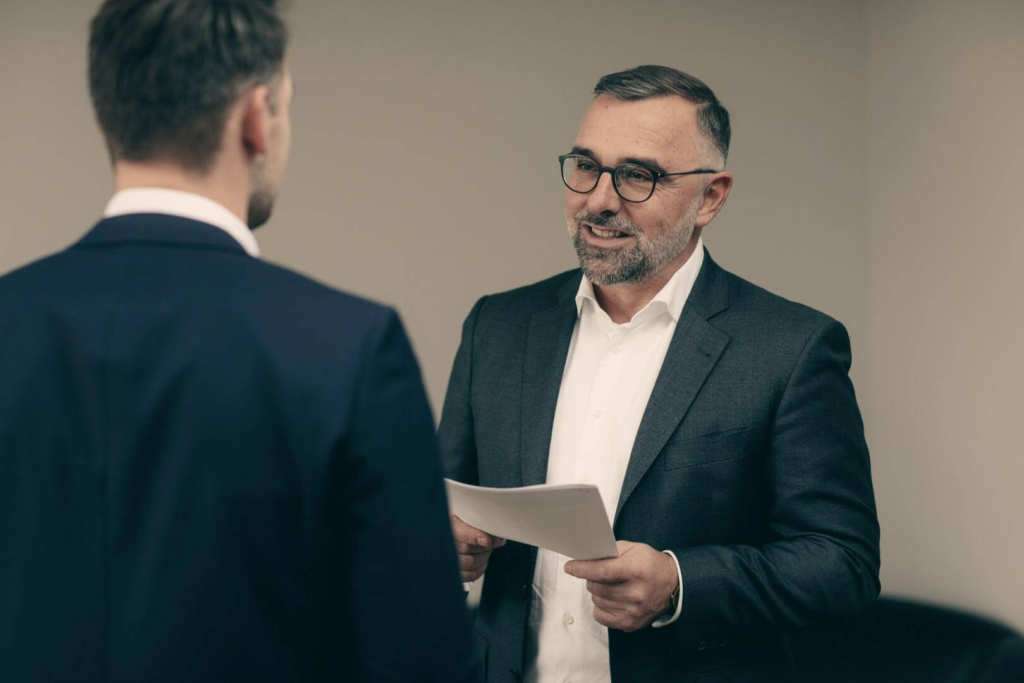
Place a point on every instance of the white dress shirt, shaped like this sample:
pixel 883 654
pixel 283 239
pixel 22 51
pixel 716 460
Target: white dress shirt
pixel 185 205
pixel 608 377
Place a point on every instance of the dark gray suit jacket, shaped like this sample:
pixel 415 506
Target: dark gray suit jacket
pixel 749 463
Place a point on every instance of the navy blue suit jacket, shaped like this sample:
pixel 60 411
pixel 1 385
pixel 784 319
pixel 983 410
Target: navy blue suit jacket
pixel 212 468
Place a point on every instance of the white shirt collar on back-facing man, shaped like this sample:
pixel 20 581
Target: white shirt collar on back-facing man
pixel 185 205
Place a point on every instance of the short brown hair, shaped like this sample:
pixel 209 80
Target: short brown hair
pixel 164 73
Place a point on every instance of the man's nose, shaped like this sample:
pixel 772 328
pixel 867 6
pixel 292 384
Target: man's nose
pixel 603 199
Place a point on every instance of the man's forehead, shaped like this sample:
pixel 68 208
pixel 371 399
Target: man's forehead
pixel 657 127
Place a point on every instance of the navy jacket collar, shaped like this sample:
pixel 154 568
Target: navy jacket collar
pixel 159 229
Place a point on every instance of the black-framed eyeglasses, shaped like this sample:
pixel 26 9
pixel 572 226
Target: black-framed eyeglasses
pixel 633 182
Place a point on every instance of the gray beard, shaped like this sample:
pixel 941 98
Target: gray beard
pixel 638 264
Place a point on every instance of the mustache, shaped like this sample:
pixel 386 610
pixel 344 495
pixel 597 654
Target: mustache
pixel 607 222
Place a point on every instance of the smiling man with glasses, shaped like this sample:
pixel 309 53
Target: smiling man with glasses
pixel 717 420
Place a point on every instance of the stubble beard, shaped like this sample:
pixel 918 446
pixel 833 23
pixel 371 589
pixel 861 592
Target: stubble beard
pixel 634 265
pixel 261 198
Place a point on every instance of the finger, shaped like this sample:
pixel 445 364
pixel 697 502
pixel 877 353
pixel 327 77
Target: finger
pixel 621 621
pixel 472 575
pixel 609 606
pixel 484 540
pixel 470 534
pixel 620 592
pixel 461 529
pixel 606 618
pixel 473 536
pixel 470 548
pixel 602 571
pixel 471 562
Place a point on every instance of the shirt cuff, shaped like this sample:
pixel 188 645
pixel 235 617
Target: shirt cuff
pixel 666 620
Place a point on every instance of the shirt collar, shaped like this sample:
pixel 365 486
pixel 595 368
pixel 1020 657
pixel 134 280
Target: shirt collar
pixel 185 205
pixel 670 299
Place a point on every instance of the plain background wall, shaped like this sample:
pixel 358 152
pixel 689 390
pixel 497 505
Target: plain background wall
pixel 423 174
pixel 424 169
pixel 945 229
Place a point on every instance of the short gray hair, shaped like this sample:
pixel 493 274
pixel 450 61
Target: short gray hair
pixel 643 82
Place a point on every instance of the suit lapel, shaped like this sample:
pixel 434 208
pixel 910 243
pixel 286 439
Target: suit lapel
pixel 547 345
pixel 694 350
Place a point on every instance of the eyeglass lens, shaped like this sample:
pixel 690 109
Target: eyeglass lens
pixel 634 183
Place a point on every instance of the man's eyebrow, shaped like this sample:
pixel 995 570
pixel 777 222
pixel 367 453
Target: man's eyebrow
pixel 640 161
pixel 645 161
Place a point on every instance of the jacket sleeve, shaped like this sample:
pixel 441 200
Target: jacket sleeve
pixel 409 613
pixel 458 442
pixel 821 558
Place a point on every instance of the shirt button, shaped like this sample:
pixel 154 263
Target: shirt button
pixel 567 619
pixel 586 479
pixel 598 413
pixel 616 349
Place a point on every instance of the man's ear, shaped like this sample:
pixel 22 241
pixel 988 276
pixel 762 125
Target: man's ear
pixel 256 120
pixel 715 195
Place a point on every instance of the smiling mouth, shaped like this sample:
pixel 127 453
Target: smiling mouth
pixel 605 234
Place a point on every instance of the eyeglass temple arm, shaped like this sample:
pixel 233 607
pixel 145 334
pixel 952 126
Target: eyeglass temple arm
pixel 701 170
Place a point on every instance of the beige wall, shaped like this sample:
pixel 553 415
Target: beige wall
pixel 423 174
pixel 473 102
pixel 945 280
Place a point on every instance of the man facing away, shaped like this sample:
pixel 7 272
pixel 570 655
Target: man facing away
pixel 717 420
pixel 206 462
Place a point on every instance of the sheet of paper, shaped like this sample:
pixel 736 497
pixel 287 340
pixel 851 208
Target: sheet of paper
pixel 568 519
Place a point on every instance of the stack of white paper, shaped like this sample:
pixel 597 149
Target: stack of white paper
pixel 568 519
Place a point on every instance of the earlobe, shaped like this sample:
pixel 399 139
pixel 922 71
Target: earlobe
pixel 715 195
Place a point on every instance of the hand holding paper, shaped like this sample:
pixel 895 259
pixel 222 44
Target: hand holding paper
pixel 570 519
pixel 473 547
pixel 631 590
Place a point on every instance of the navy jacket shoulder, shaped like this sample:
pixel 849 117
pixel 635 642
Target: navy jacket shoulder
pixel 204 459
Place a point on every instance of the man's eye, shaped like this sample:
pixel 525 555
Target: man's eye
pixel 638 174
pixel 585 166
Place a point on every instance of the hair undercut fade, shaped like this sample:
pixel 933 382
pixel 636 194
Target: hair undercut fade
pixel 642 82
pixel 163 74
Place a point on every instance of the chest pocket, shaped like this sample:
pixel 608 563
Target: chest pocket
pixel 707 449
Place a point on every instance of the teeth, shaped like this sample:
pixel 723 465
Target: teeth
pixel 605 233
